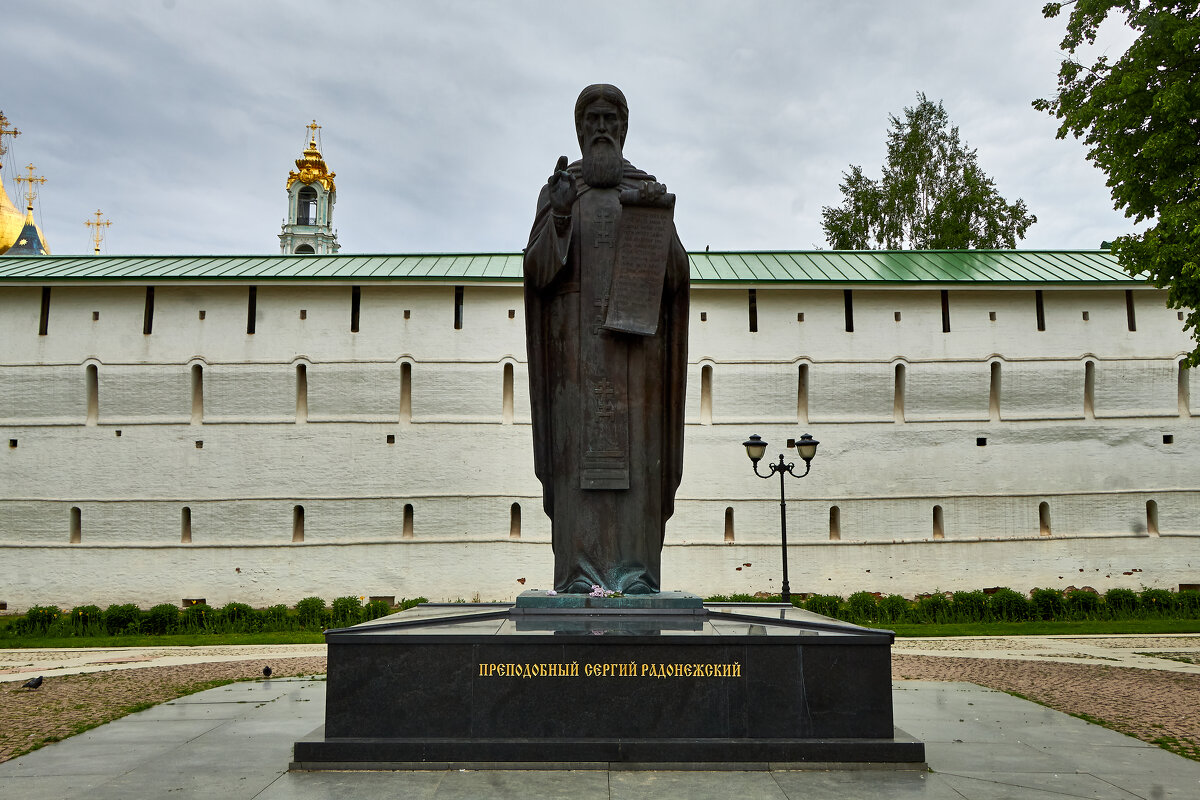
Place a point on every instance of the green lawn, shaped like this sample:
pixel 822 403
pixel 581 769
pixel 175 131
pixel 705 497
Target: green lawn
pixel 1142 626
pixel 170 640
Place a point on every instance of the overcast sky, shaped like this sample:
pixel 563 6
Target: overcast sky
pixel 180 120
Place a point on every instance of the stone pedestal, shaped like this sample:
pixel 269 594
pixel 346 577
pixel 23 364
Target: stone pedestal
pixel 573 680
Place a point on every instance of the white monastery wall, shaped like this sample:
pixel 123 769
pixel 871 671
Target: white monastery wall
pixel 201 460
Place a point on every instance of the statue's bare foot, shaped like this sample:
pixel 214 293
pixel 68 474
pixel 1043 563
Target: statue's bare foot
pixel 638 587
pixel 577 586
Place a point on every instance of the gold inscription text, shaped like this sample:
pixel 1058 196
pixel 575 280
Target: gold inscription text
pixel 628 669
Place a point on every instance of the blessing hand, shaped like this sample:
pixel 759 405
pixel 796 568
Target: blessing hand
pixel 562 189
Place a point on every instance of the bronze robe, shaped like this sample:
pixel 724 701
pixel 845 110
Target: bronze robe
pixel 607 406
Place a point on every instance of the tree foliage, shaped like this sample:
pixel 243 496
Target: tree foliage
pixel 1140 118
pixel 932 195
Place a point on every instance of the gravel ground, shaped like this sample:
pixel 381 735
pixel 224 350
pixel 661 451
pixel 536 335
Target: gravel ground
pixel 1155 706
pixel 1152 705
pixel 71 704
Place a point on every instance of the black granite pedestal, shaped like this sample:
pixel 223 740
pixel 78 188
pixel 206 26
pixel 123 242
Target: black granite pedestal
pixel 571 681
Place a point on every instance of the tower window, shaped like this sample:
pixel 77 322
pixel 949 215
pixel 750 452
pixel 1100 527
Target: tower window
pixel 1089 389
pixel 994 393
pixel 506 408
pixel 306 207
pixel 406 531
pixel 197 394
pixel 92 375
pixel 251 308
pixel 406 392
pixel 44 316
pixel 802 394
pixel 301 393
pixel 753 309
pixel 148 314
pixel 1044 519
pixel 304 250
pixel 514 521
pixel 297 523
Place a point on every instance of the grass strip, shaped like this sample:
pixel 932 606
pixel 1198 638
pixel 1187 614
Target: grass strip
pixel 1044 628
pixel 165 640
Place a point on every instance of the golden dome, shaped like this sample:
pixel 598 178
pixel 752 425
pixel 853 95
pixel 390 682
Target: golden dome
pixel 310 168
pixel 11 221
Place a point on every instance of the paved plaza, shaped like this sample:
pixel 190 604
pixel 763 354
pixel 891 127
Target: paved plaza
pixel 235 742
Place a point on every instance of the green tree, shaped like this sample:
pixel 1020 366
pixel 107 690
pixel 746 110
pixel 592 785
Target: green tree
pixel 1140 119
pixel 932 195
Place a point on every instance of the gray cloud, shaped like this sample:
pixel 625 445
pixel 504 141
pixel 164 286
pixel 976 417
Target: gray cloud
pixel 181 120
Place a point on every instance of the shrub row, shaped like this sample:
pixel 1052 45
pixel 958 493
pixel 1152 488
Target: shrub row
pixel 999 605
pixel 310 614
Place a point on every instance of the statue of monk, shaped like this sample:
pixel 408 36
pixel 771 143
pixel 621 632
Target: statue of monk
pixel 606 315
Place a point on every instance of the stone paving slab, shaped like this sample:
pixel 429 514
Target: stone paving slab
pixel 258 721
pixel 65 704
pixel 1149 704
pixel 1051 755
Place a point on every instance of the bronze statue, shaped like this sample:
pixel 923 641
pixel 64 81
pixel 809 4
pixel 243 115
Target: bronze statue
pixel 606 315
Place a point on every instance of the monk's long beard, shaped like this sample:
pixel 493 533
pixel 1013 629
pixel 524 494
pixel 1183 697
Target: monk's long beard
pixel 602 165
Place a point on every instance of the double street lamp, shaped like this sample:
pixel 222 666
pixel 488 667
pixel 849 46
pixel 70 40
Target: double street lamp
pixel 806 448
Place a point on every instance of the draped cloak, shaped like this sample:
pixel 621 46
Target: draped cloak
pixel 607 406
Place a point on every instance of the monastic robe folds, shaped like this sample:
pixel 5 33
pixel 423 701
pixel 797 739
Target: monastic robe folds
pixel 607 405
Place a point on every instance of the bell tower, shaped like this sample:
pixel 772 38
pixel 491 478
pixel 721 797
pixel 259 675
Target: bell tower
pixel 308 228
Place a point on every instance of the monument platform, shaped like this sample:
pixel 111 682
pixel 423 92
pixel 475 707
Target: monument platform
pixel 633 680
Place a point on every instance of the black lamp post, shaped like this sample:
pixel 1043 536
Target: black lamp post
pixel 806 447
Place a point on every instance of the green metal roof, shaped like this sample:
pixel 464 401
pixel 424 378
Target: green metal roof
pixel 815 266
